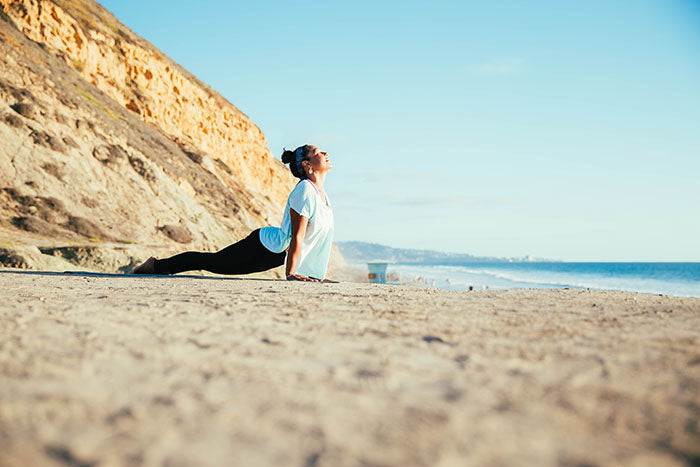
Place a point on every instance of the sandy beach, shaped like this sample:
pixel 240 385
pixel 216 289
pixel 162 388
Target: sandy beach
pixel 123 370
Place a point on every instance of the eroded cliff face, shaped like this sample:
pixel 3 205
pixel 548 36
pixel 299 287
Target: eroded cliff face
pixel 135 74
pixel 105 143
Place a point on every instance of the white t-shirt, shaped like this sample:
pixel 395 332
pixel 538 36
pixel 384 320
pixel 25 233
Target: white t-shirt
pixel 306 200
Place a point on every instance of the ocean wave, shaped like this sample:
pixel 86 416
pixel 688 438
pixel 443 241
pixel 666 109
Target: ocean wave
pixel 462 277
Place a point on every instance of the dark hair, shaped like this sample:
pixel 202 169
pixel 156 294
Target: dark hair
pixel 290 157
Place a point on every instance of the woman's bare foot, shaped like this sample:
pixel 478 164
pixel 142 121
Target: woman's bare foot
pixel 147 267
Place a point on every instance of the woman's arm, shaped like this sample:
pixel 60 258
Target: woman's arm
pixel 299 224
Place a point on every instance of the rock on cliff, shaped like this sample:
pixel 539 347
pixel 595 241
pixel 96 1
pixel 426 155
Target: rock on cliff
pixel 109 149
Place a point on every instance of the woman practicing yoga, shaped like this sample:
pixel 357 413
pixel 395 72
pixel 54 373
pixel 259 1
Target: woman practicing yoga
pixel 306 233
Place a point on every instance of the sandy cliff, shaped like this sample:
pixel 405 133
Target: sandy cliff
pixel 108 148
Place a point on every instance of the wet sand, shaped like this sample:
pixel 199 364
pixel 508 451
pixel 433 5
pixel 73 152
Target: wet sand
pixel 124 370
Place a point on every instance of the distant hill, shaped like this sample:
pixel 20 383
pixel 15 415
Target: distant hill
pixel 361 252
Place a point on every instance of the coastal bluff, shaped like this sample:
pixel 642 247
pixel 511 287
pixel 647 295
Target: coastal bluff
pixel 109 150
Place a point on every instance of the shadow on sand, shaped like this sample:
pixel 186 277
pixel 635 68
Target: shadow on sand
pixel 156 276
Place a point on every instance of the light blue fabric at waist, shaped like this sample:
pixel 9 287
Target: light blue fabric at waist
pixel 275 239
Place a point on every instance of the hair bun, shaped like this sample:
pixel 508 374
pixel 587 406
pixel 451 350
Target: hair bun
pixel 288 156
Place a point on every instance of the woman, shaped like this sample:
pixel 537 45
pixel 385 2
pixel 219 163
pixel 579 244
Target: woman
pixel 306 232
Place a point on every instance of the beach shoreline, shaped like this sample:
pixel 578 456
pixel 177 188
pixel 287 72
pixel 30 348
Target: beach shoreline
pixel 125 370
pixel 672 279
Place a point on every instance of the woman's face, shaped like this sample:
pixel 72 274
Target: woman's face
pixel 319 160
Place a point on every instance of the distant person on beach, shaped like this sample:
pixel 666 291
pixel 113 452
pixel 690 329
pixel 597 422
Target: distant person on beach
pixel 304 238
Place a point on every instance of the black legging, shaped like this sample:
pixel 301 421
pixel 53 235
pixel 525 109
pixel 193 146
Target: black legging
pixel 243 257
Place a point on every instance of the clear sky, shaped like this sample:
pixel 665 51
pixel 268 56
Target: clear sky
pixel 559 129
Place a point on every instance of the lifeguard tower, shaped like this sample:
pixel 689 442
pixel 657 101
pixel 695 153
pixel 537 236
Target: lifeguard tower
pixel 377 272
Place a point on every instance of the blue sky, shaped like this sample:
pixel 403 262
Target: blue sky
pixel 565 130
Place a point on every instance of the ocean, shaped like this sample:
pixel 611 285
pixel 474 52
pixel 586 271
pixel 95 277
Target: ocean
pixel 678 279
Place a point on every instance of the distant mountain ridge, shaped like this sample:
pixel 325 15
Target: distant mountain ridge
pixel 361 252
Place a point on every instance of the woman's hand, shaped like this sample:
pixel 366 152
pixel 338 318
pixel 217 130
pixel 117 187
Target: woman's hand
pixel 299 277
